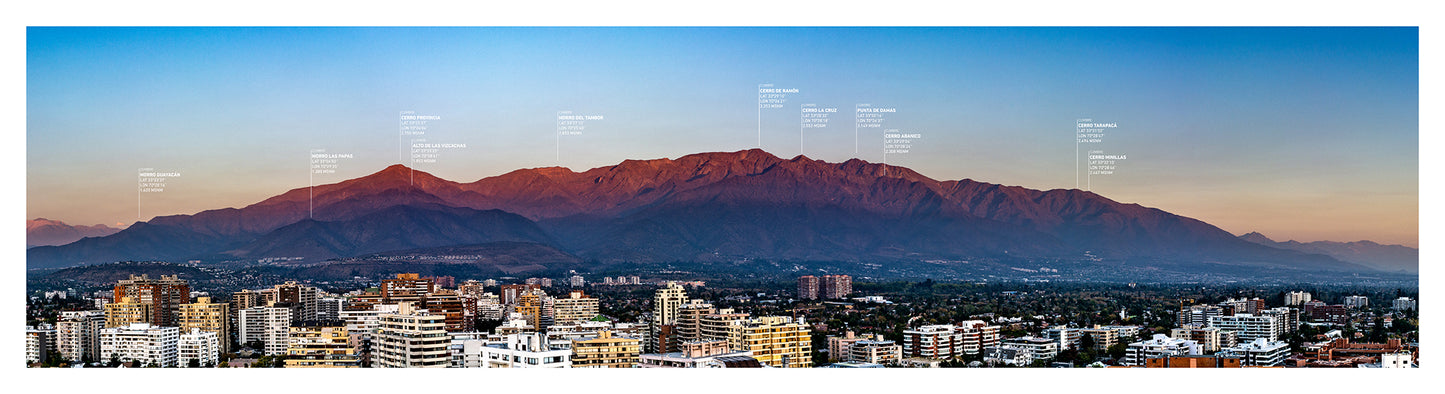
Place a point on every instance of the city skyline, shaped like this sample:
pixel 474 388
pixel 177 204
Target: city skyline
pixel 1298 133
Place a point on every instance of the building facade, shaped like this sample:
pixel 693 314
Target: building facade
pixel 1260 352
pixel 606 351
pixel 199 348
pixel 408 339
pixel 141 342
pixel 207 316
pixel 778 341
pixel 164 295
pixel 1159 346
pixel 321 344
pixel 268 325
pixel 78 335
pixel 1247 327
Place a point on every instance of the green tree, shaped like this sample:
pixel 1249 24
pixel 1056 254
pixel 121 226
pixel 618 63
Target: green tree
pixel 1117 351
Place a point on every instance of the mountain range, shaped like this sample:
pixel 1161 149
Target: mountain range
pixel 721 206
pixel 1395 258
pixel 44 232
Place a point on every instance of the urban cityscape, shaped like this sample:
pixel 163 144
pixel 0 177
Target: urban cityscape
pixel 959 208
pixel 412 321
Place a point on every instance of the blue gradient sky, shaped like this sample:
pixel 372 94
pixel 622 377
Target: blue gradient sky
pixel 1300 133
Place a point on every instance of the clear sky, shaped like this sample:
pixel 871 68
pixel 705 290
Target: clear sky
pixel 1299 133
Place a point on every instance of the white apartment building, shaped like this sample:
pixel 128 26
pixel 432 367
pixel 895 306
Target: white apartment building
pixel 78 335
pixel 410 339
pixel 1357 301
pixel 1286 318
pixel 1039 348
pixel 202 346
pixel 39 342
pixel 1068 338
pixel 489 306
pixel 1247 327
pixel 266 324
pixel 527 350
pixel 1160 345
pixel 875 352
pixel 938 341
pixel 1296 298
pixel 1199 315
pixel 977 335
pixel 1405 303
pixel 141 342
pixel 1259 353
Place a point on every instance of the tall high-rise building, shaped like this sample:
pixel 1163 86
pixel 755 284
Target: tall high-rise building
pixel 301 298
pixel 78 335
pixel 209 317
pixel 778 341
pixel 714 326
pixel 605 351
pixel 127 310
pixel 321 344
pixel 689 319
pixel 661 332
pixel 39 343
pixel 1286 318
pixel 576 307
pixel 361 323
pixel 808 287
pixel 536 308
pixel 576 281
pixel 489 306
pixel 269 325
pixel 835 286
pixel 204 347
pixel 405 288
pixel 410 339
pixel 452 306
pixel 472 288
pixel 329 308
pixel 164 295
pixel 141 342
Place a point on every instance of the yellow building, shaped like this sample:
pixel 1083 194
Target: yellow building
pixel 321 344
pixel 575 308
pixel 774 340
pixel 209 317
pixel 606 351
pixel 127 311
pixel 535 306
